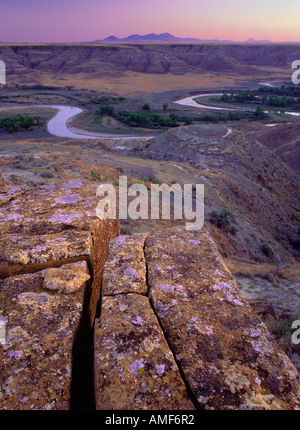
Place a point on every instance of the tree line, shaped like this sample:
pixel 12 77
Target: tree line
pixel 252 97
pixel 19 122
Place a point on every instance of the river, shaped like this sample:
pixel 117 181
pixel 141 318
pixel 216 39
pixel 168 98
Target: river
pixel 59 124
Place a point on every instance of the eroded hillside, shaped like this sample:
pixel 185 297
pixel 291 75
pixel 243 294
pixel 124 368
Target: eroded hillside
pixel 241 176
pixel 139 63
pixel 150 58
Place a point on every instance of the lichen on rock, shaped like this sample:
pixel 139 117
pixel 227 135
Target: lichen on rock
pixel 66 279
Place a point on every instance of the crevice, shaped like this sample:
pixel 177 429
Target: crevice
pixel 82 380
pixel 120 293
pixel 6 271
pixel 182 375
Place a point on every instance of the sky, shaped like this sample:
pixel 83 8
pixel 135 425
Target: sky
pixel 88 20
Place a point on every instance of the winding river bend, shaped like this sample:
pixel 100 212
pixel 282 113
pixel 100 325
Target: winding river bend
pixel 190 101
pixel 59 125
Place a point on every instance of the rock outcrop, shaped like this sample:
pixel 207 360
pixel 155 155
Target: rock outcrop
pixel 39 330
pixel 216 344
pixel 90 319
pixel 52 252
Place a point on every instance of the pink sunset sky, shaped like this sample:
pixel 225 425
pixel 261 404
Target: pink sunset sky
pixel 78 21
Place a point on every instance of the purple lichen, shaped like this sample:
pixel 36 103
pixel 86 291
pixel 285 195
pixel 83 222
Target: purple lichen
pixel 194 242
pixel 119 240
pixel 68 199
pixel 73 184
pixel 160 368
pixel 64 218
pixel 132 273
pixel 138 321
pixel 136 366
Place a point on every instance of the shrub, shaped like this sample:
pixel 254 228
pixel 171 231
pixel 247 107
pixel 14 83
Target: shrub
pixel 259 113
pixel 221 219
pixel 267 250
pixel 95 176
pixel 47 174
pixel 19 122
pixel 106 110
pixel 155 181
pixel 277 233
pixel 233 230
pixel 188 120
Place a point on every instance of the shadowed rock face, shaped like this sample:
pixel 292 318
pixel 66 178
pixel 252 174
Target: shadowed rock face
pixel 222 350
pixel 283 140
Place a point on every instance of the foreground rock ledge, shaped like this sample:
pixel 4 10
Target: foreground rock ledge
pixel 222 351
pixel 135 368
pixel 125 268
pixel 38 331
pixel 46 224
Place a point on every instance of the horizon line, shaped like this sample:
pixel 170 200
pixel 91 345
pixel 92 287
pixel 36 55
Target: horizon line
pixel 195 40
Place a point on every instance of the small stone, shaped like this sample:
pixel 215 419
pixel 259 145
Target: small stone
pixel 66 279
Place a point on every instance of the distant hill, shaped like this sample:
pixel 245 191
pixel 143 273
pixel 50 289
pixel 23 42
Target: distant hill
pixel 169 38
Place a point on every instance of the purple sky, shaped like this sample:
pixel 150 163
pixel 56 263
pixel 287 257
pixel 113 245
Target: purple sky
pixel 77 20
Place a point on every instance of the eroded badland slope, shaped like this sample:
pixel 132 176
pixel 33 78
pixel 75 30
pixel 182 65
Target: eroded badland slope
pixel 244 177
pixel 152 68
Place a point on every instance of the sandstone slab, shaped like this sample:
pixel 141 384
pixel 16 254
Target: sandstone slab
pixel 224 350
pixel 134 367
pixel 38 329
pixel 125 268
pixel 46 223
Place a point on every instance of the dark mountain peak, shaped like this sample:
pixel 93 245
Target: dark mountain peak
pixel 169 38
